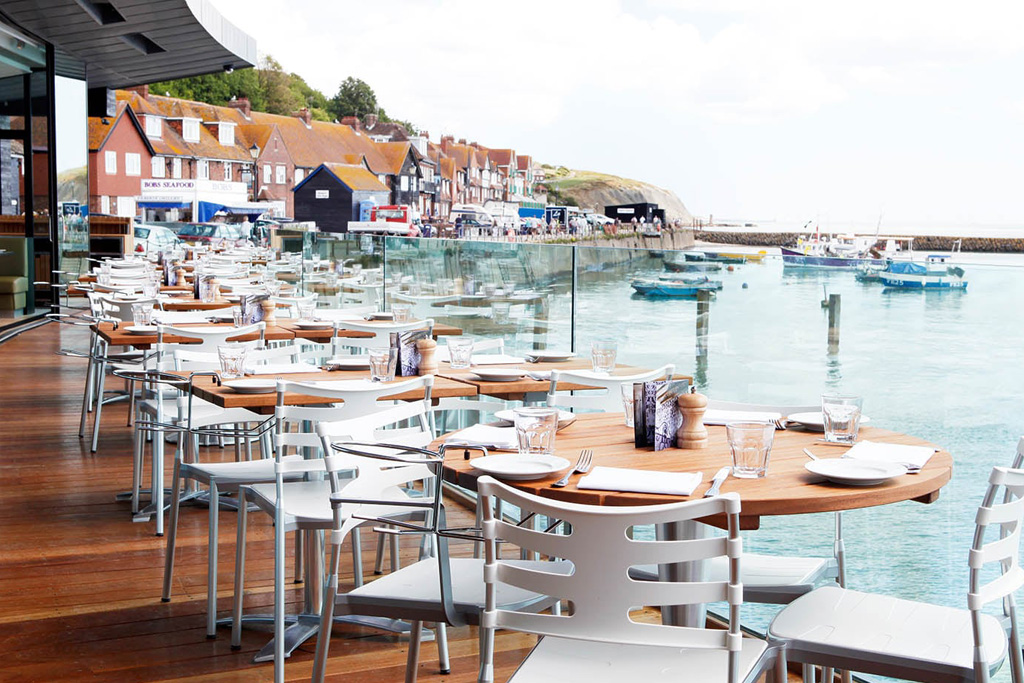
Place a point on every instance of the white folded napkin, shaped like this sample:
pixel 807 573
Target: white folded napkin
pixel 891 452
pixel 495 438
pixel 280 369
pixel 641 481
pixel 539 375
pixel 721 417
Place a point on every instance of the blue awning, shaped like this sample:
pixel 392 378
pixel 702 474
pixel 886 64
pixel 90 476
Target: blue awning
pixel 207 210
pixel 531 212
pixel 157 204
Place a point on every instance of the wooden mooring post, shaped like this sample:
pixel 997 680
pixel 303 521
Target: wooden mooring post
pixel 703 323
pixel 833 322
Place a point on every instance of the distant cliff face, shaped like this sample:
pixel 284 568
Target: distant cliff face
pixel 598 190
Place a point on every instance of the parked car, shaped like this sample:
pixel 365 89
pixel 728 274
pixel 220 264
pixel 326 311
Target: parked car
pixel 205 233
pixel 154 238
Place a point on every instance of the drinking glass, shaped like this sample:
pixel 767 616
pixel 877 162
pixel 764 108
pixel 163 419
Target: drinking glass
pixel 103 279
pixel 500 311
pixel 751 446
pixel 273 287
pixel 357 268
pixel 841 417
pixel 237 317
pixel 150 288
pixel 628 402
pixel 602 355
pixel 232 360
pixel 142 314
pixel 460 352
pixel 415 289
pixel 306 310
pixel 402 312
pixel 206 288
pixel 535 430
pixel 382 364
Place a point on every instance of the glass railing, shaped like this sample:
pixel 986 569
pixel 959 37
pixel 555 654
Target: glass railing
pixel 940 365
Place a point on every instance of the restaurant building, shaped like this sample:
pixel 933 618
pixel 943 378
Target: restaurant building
pixel 61 63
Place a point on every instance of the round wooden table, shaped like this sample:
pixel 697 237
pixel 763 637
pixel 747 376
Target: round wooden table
pixel 788 488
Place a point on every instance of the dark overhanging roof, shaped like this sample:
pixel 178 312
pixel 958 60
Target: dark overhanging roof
pixel 129 42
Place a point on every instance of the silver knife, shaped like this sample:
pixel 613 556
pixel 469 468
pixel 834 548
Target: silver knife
pixel 716 483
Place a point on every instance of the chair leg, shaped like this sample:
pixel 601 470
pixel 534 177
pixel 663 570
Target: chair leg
pixel 138 455
pixel 236 600
pixel 378 563
pixel 300 558
pixel 412 662
pixel 443 660
pixel 828 675
pixel 810 674
pixel 101 380
pixel 357 557
pixel 172 535
pixel 396 560
pixel 781 674
pixel 86 399
pixel 323 640
pixel 211 555
pixel 279 538
pixel 486 674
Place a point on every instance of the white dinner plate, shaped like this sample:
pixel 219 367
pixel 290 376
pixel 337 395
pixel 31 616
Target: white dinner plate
pixel 549 356
pixel 814 422
pixel 232 297
pixel 349 363
pixel 520 467
pixel 565 418
pixel 222 314
pixel 313 324
pixel 499 374
pixel 855 472
pixel 252 386
pixel 140 329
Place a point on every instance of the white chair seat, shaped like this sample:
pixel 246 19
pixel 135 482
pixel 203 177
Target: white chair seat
pixel 563 659
pixel 766 578
pixel 306 502
pixel 228 473
pixel 420 583
pixel 838 622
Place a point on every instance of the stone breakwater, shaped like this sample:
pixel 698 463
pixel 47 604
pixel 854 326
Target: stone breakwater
pixel 994 245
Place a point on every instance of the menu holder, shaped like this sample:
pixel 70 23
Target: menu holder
pixel 409 356
pixel 252 308
pixel 656 416
pixel 171 274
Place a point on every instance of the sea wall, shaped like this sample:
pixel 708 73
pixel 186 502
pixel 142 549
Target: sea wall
pixel 999 245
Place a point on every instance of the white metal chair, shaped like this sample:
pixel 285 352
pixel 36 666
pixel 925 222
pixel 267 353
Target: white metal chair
pixel 435 589
pixel 381 332
pixel 607 396
pixel 882 635
pixel 305 505
pixel 598 640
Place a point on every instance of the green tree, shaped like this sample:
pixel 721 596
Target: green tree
pixel 354 98
pixel 276 87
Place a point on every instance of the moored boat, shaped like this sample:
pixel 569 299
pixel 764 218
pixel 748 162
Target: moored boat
pixel 934 274
pixel 690 262
pixel 669 286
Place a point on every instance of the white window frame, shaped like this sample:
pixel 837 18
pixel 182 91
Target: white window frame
pixel 132 164
pixel 105 204
pixel 190 130
pixel 110 162
pixel 268 173
pixel 176 167
pixel 157 167
pixel 202 169
pixel 299 175
pixel 403 183
pixel 154 126
pixel 226 134
pixel 281 175
pixel 126 207
pixel 227 171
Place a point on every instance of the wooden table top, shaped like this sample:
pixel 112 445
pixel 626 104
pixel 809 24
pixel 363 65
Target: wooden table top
pixel 516 389
pixel 205 388
pixel 121 337
pixel 183 303
pixel 324 335
pixel 788 488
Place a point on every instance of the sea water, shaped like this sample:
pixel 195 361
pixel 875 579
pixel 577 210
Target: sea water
pixel 943 366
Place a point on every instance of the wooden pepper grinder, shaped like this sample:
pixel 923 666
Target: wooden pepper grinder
pixel 428 356
pixel 269 311
pixel 692 433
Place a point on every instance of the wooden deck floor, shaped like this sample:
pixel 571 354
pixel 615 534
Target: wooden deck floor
pixel 80 582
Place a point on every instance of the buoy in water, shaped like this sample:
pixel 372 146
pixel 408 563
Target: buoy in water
pixel 731 268
pixel 744 285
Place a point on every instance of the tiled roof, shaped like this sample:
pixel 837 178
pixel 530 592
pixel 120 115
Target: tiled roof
pixel 171 143
pixel 448 168
pixel 99 131
pixel 356 177
pixel 394 154
pixel 501 157
pixel 523 161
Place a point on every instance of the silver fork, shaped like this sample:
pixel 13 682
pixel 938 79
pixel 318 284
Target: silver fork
pixel 780 424
pixel 582 466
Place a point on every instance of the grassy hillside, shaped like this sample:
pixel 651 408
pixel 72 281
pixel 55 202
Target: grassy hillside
pixel 590 189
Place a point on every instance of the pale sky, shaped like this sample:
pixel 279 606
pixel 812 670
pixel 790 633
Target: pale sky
pixel 791 110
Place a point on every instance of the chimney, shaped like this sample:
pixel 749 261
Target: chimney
pixel 369 121
pixel 243 105
pixel 306 116
pixel 462 141
pixel 142 90
pixel 352 121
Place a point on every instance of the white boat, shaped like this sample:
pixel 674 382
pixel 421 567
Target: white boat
pixel 934 273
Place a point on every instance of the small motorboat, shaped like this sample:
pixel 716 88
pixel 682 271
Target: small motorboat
pixel 933 274
pixel 672 286
pixel 690 262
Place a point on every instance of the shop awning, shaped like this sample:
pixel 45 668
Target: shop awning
pixel 208 209
pixel 163 204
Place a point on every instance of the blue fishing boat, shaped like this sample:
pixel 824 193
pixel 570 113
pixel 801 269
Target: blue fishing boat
pixel 690 262
pixel 672 286
pixel 934 273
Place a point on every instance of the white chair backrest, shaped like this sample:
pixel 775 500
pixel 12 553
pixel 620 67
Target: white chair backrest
pixel 292 303
pixel 762 407
pixel 1002 509
pixel 381 331
pixel 209 338
pixel 494 345
pixel 186 359
pixel 602 550
pixel 122 308
pixel 607 396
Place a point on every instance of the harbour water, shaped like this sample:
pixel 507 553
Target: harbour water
pixel 945 366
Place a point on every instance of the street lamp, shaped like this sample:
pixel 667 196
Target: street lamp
pixel 254 151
